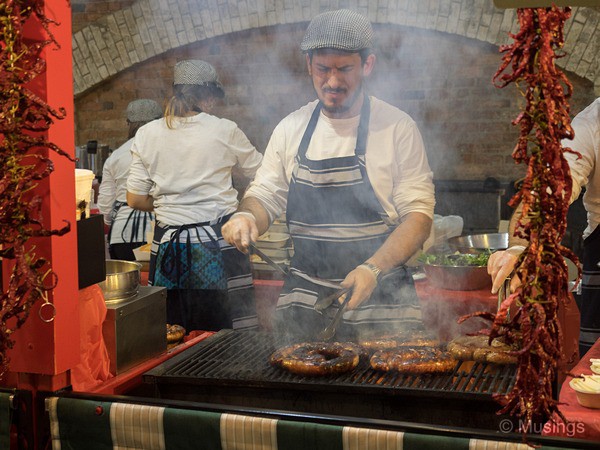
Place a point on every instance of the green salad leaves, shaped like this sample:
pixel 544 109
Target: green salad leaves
pixel 456 259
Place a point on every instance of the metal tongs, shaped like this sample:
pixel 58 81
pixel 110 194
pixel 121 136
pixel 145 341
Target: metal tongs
pixel 323 303
pixel 254 249
pixel 319 281
pixel 503 293
pixel 329 331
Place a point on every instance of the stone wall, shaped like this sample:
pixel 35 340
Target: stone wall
pixel 436 60
pixel 149 28
pixel 442 80
pixel 88 11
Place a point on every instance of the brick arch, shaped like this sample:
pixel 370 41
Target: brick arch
pixel 150 28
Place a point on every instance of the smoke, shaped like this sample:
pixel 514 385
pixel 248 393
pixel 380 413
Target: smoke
pixel 439 79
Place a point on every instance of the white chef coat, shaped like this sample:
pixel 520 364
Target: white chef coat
pixel 187 170
pixel 396 161
pixel 583 170
pixel 114 188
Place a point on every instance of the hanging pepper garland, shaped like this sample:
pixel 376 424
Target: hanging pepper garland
pixel 544 121
pixel 24 119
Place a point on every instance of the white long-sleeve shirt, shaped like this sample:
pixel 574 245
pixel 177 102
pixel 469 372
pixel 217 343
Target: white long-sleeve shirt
pixel 583 170
pixel 187 170
pixel 396 161
pixel 114 188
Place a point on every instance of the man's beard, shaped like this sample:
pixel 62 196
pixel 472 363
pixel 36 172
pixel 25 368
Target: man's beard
pixel 346 105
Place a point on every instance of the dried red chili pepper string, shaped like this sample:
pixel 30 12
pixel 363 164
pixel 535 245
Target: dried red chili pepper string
pixel 24 117
pixel 529 62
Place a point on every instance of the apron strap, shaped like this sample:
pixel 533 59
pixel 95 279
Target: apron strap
pixel 310 128
pixel 113 215
pixel 363 127
pixel 361 138
pixel 135 217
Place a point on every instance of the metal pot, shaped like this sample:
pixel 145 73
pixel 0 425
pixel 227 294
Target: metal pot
pixel 122 280
pixel 477 243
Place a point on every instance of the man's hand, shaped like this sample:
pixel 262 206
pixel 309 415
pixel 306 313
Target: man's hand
pixel 240 230
pixel 363 283
pixel 501 265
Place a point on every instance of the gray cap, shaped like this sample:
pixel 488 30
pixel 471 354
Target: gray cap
pixel 341 30
pixel 143 110
pixel 196 71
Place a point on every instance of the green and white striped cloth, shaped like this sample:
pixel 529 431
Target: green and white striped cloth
pixel 90 425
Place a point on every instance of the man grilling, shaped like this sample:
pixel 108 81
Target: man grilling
pixel 351 173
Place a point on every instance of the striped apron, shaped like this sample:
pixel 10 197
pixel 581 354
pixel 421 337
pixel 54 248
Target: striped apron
pixel 590 292
pixel 208 281
pixel 138 222
pixel 336 223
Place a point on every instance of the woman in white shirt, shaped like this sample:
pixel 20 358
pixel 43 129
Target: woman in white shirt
pixel 182 171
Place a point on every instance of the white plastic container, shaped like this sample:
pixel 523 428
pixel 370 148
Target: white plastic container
pixel 83 191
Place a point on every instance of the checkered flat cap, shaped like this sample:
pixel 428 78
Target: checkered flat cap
pixel 143 110
pixel 196 71
pixel 341 30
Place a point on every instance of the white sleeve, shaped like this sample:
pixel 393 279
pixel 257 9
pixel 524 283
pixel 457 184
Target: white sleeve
pixel 248 157
pixel 271 183
pixel 413 189
pixel 138 180
pixel 583 142
pixel 107 192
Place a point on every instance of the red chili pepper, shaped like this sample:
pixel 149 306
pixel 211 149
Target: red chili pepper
pixel 544 196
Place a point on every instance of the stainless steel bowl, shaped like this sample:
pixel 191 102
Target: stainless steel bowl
pixel 122 280
pixel 477 243
pixel 458 278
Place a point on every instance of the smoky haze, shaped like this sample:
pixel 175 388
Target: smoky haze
pixel 443 81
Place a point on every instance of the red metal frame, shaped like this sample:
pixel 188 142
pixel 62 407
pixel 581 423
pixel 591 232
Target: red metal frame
pixel 131 378
pixel 44 352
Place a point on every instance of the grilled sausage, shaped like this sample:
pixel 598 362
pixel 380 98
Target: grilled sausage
pixel 175 333
pixel 476 348
pixel 415 360
pixel 415 338
pixel 317 358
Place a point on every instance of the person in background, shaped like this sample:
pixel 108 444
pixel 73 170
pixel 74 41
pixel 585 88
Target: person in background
pixel 586 126
pixel 182 170
pixel 127 227
pixel 352 175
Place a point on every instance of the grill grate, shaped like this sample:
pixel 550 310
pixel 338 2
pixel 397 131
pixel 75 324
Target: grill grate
pixel 241 358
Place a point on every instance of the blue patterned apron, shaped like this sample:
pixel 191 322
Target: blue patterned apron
pixel 209 282
pixel 590 293
pixel 336 223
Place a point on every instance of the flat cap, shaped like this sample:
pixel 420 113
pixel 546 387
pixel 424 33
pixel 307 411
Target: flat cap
pixel 341 30
pixel 198 72
pixel 143 110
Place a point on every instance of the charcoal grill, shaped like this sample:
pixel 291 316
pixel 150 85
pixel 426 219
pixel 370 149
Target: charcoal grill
pixel 231 367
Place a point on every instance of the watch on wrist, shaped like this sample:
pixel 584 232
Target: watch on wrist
pixel 374 270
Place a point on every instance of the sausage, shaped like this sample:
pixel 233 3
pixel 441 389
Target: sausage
pixel 476 348
pixel 175 333
pixel 414 360
pixel 463 347
pixel 317 358
pixel 415 338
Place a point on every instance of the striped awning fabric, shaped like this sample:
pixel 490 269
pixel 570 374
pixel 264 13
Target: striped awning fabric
pixel 94 425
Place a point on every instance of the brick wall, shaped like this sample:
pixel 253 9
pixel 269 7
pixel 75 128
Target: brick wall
pixel 87 11
pixel 442 80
